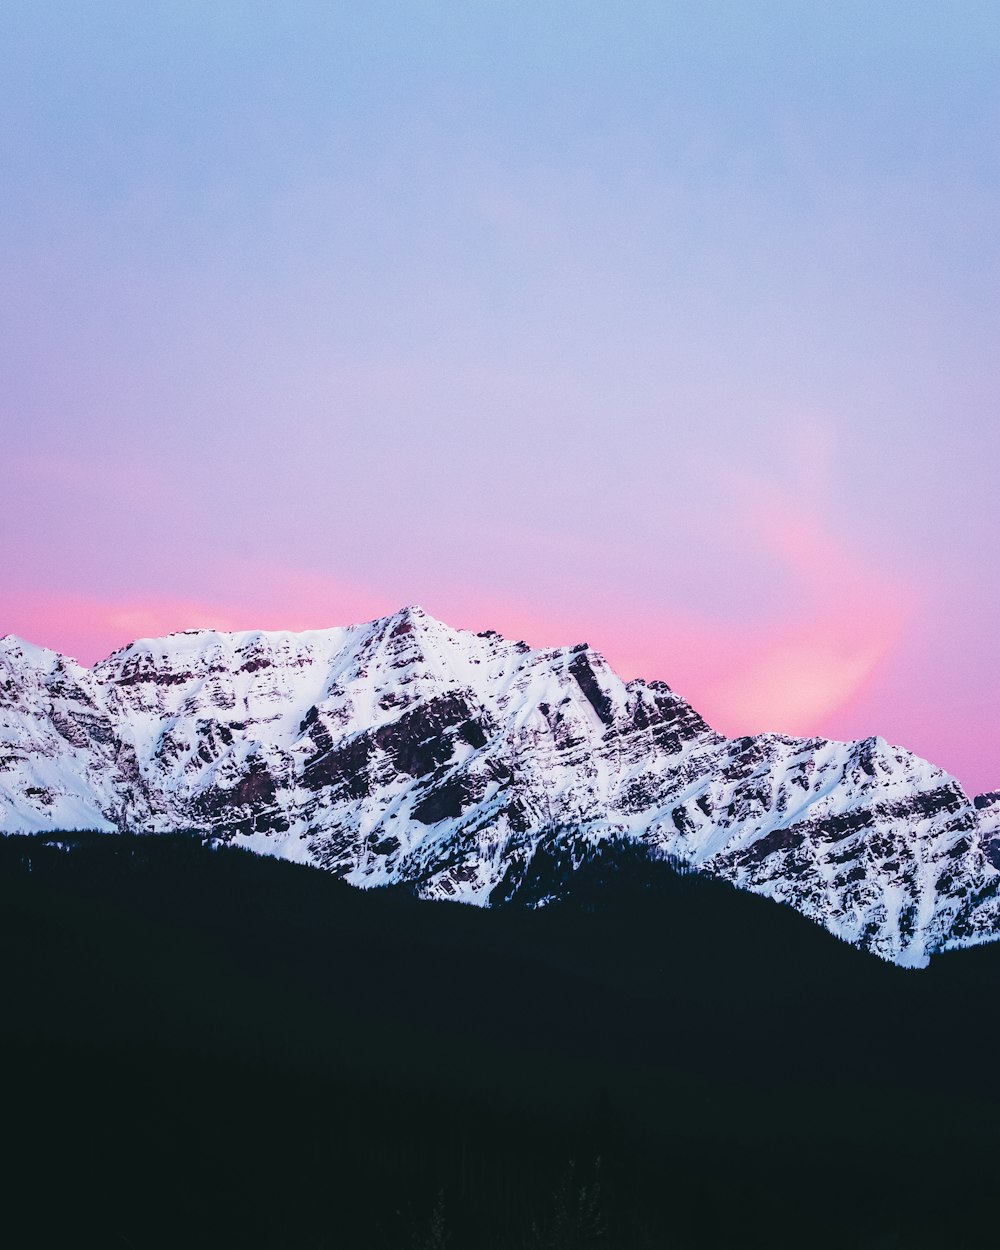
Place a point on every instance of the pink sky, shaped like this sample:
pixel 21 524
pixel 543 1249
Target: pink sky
pixel 660 327
pixel 833 656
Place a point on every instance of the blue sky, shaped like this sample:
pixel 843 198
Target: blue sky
pixel 669 326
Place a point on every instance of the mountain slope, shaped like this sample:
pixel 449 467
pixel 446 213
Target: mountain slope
pixel 402 751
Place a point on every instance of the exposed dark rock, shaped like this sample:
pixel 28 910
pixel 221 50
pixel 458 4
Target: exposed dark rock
pixel 789 839
pixel 417 742
pixel 473 733
pixel 449 800
pixel 517 817
pixel 840 825
pixel 588 683
pixel 345 766
pixel 256 664
pixel 143 672
pixel 927 805
pixel 384 846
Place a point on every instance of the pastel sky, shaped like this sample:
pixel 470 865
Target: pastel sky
pixel 672 326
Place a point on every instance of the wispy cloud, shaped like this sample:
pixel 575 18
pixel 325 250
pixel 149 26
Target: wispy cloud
pixel 842 613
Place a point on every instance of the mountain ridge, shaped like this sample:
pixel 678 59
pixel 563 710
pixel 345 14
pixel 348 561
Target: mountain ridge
pixel 402 751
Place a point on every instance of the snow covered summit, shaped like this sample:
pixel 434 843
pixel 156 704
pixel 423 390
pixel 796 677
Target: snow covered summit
pixel 401 750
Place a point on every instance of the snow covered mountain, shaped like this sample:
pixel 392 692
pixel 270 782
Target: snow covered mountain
pixel 405 751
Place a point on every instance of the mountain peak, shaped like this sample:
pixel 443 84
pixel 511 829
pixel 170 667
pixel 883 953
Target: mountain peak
pixel 402 750
pixel 32 652
pixel 414 615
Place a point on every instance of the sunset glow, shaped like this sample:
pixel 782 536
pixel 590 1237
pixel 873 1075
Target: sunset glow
pixel 663 327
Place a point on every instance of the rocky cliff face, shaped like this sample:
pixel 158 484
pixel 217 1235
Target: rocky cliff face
pixel 402 750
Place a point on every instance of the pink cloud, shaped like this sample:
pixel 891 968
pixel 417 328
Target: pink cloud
pixel 850 618
pixel 793 685
pixel 837 620
pixel 89 627
pixel 839 614
pixel 775 676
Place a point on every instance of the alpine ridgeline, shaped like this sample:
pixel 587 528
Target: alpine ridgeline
pixel 404 751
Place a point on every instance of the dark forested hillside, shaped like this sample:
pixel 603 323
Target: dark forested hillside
pixel 204 1048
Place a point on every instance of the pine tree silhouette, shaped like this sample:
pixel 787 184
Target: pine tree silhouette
pixel 577 1219
pixel 436 1237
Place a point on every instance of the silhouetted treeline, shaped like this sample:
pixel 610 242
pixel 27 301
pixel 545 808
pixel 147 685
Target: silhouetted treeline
pixel 206 1048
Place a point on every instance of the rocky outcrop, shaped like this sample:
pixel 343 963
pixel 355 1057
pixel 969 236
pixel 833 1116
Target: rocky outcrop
pixel 404 751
